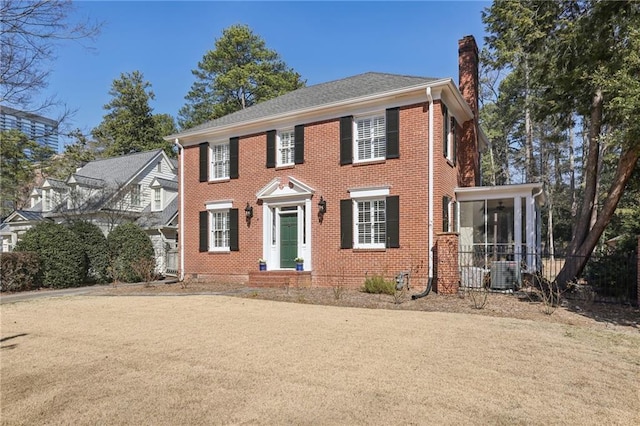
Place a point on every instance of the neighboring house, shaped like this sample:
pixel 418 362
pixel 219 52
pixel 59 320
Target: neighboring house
pixel 140 187
pixel 356 176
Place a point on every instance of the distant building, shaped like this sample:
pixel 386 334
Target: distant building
pixel 40 129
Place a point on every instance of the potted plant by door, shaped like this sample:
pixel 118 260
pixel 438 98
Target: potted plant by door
pixel 262 263
pixel 299 264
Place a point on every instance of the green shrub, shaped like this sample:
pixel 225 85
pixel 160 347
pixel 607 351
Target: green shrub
pixel 19 271
pixel 94 245
pixel 60 252
pixel 128 245
pixel 376 284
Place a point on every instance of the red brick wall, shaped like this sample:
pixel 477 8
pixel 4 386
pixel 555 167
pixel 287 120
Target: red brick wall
pixel 446 260
pixel 406 176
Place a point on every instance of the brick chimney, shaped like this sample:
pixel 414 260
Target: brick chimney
pixel 468 155
pixel 468 71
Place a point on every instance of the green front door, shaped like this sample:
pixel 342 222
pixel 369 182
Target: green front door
pixel 288 240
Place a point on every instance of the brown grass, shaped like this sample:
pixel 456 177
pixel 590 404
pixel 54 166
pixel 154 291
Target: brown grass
pixel 219 360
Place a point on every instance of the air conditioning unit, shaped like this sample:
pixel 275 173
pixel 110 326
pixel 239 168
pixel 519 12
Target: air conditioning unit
pixel 505 275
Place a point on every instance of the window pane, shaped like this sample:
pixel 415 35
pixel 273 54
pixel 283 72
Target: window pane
pixel 220 229
pixel 371 138
pixel 287 147
pixel 220 161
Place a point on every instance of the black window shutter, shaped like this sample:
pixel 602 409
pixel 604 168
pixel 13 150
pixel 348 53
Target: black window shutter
pixel 346 224
pixel 392 123
pixel 445 214
pixel 393 221
pixel 204 161
pixel 204 231
pixel 233 157
pixel 346 140
pixel 271 149
pixel 233 230
pixel 445 134
pixel 454 154
pixel 299 144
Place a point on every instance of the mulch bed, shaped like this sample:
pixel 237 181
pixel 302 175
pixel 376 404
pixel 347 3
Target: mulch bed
pixel 517 305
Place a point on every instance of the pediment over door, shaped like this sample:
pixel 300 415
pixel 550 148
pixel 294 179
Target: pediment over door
pixel 285 187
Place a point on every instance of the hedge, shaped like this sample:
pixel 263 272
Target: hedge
pixel 19 271
pixel 62 261
pixel 128 245
pixel 96 252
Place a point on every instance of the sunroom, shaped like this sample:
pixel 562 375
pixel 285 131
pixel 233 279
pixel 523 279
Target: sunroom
pixel 499 234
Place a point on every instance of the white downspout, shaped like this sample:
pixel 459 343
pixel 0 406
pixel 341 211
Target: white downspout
pixel 430 183
pixel 181 212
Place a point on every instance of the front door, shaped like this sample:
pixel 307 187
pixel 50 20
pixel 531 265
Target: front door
pixel 288 240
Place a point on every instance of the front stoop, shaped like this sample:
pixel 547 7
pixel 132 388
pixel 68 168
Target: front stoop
pixel 277 279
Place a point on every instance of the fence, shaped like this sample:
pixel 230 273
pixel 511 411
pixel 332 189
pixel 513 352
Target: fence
pixel 609 277
pixel 172 262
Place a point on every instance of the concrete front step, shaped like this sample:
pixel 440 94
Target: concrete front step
pixel 276 279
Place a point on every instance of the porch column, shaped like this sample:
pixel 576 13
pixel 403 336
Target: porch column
pixel 517 228
pixel 446 261
pixel 531 232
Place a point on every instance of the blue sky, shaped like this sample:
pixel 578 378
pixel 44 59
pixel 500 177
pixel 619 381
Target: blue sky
pixel 322 41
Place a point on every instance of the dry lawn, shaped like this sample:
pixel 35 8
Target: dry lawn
pixel 202 359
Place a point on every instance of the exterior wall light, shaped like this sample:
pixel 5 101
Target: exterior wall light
pixel 322 206
pixel 248 211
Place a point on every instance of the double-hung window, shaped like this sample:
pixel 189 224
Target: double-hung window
pixel 136 195
pixel 448 135
pixel 371 225
pixel 286 148
pixel 219 226
pixel 157 199
pixel 369 219
pixel 220 161
pixel 371 139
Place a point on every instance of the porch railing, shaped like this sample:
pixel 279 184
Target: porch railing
pixel 610 277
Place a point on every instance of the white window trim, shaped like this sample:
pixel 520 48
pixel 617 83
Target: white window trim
pixel 366 194
pixel 372 115
pixel 212 160
pixel 217 207
pixel 279 162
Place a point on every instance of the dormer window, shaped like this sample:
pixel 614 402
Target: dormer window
pixel 46 206
pixel 157 199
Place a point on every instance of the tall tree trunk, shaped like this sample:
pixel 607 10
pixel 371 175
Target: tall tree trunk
pixel 492 165
pixel 528 141
pixel 574 265
pixel 583 221
pixel 572 174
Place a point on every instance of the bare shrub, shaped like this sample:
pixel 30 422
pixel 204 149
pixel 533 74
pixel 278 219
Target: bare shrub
pixel 144 268
pixel 478 296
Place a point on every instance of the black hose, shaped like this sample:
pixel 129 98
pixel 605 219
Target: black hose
pixel 425 292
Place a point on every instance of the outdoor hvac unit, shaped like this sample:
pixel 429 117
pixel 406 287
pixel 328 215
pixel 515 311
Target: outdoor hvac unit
pixel 505 275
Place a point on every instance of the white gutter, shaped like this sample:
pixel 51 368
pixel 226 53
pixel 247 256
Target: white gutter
pixel 181 211
pixel 430 183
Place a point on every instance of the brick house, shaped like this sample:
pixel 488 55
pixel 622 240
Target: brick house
pixel 356 176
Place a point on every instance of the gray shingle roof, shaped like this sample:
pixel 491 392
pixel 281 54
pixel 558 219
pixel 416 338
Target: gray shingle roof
pixel 151 219
pixel 57 184
pixel 88 181
pixel 117 170
pixel 320 94
pixel 168 184
pixel 30 215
